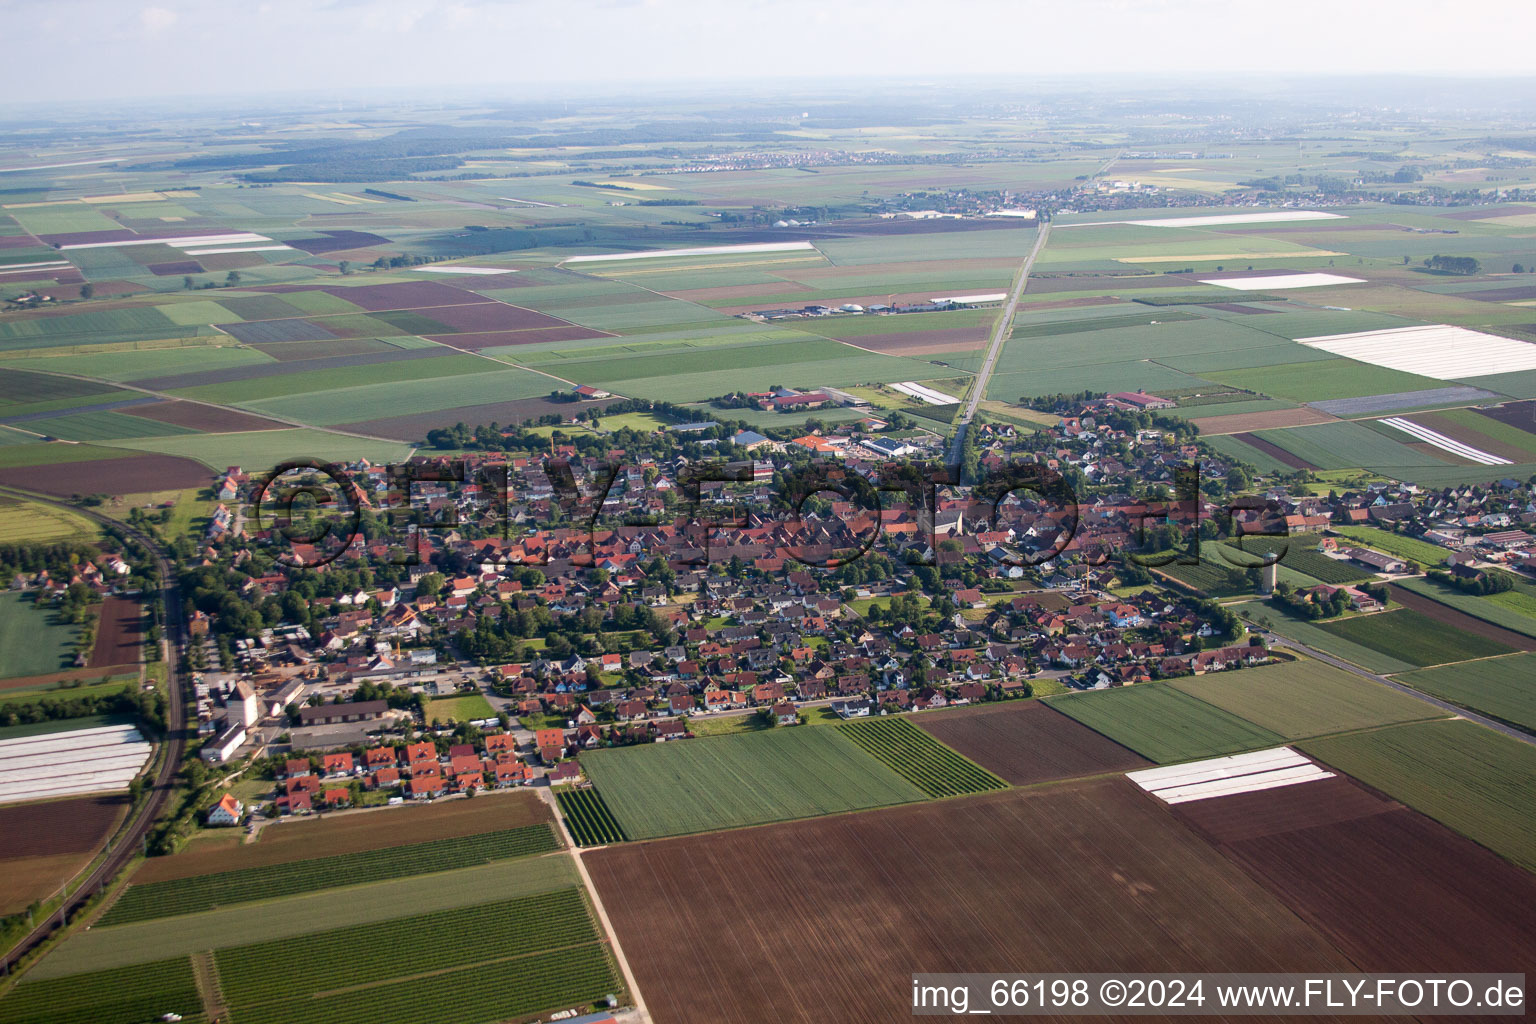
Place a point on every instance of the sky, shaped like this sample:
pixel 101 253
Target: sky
pixel 65 50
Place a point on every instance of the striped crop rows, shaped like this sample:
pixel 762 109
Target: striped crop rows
pixel 919 758
pixel 588 817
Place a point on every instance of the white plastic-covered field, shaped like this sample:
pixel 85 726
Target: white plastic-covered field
pixel 70 763
pixel 712 250
pixel 1228 776
pixel 1419 432
pixel 1267 217
pixel 989 297
pixel 184 242
pixel 924 393
pixel 1431 350
pixel 1271 282
pixel 456 269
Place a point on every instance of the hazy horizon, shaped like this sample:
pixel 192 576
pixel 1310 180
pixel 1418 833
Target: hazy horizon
pixel 76 50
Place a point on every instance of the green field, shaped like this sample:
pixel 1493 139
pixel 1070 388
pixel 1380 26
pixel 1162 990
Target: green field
pixel 286 917
pixel 588 817
pixel 1276 617
pixel 1163 724
pixel 509 988
pixel 144 364
pixel 207 892
pixel 1503 688
pixel 1470 778
pixel 459 709
pixel 103 425
pixel 919 758
pixel 700 785
pixel 1323 379
pixel 370 401
pixel 1305 698
pixel 407 947
pixel 1346 444
pixel 33 640
pixel 259 450
pixel 255 389
pixel 1514 609
pixel 1409 636
pixel 30 521
pixel 127 995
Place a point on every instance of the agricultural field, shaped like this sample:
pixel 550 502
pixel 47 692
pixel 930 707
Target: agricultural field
pixel 287 917
pixel 43 845
pixel 749 779
pixel 30 521
pixel 1276 617
pixel 509 934
pixel 920 759
pixel 1412 636
pixel 1472 779
pixel 147 900
pixel 128 995
pixel 1028 741
pixel 1163 724
pixel 1305 698
pixel 1498 687
pixel 844 884
pixel 33 641
pixel 1450 902
pixel 588 817
pixel 1514 610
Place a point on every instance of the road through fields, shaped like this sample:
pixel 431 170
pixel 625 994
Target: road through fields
pixel 999 337
pixel 132 833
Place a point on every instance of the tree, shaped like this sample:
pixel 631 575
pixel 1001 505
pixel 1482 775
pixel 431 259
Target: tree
pixel 232 278
pixel 1462 265
pixel 87 290
pixel 187 282
pixel 345 266
pixel 430 583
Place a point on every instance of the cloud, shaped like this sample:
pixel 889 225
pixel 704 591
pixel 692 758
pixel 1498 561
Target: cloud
pixel 157 19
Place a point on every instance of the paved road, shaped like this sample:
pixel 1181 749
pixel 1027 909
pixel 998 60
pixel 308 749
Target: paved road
pixel 129 839
pixel 995 349
pixel 1311 652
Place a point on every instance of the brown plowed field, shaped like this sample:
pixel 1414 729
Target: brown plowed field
pixel 1400 892
pixel 44 845
pixel 1516 414
pixel 1462 621
pixel 202 417
pixel 175 268
pixel 296 351
pixel 119 633
pixel 535 336
pixel 133 474
pixel 1269 812
pixel 957 339
pixel 1237 307
pixel 17 241
pixel 1275 451
pixel 337 241
pixel 58 826
pixel 414 427
pixel 826 919
pixel 48 679
pixel 1245 422
pixel 1026 741
pixel 296 840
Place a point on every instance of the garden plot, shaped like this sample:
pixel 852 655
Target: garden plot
pixel 1431 350
pixel 1269 282
pixel 1422 433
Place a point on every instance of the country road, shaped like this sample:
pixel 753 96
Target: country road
pixel 159 788
pixel 995 349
